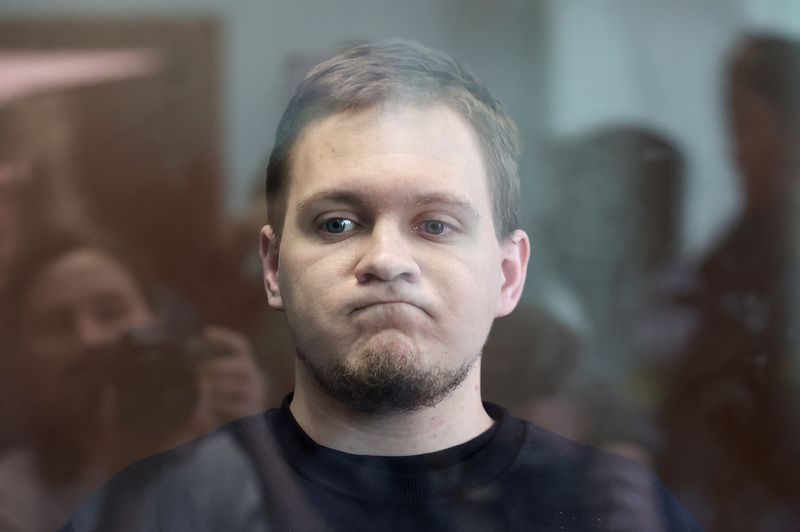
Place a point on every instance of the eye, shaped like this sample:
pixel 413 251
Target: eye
pixel 435 229
pixel 111 308
pixel 337 225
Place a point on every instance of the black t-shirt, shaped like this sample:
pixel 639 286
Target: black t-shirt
pixel 514 476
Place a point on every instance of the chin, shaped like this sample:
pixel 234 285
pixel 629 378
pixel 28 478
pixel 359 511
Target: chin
pixel 389 347
pixel 387 380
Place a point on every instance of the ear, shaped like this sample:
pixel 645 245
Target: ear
pixel 516 250
pixel 269 262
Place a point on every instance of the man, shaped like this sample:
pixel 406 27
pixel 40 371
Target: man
pixel 392 244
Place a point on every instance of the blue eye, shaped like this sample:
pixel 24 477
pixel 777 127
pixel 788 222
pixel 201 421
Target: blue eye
pixel 338 225
pixel 433 227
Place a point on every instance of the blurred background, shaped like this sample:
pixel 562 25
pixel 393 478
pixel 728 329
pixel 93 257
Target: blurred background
pixel 660 174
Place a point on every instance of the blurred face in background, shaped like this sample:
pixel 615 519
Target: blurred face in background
pixel 83 299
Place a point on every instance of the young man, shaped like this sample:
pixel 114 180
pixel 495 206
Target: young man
pixel 392 244
pixel 386 250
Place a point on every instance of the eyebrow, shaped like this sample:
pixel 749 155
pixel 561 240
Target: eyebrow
pixel 357 200
pixel 337 196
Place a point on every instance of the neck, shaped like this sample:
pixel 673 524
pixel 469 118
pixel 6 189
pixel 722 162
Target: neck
pixel 456 419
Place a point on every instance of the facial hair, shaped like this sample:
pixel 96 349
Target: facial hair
pixel 385 382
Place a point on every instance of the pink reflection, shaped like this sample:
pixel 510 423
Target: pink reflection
pixel 28 72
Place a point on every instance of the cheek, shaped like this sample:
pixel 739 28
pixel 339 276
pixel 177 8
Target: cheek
pixel 47 350
pixel 469 293
pixel 314 268
pixel 47 345
pixel 310 287
pixel 476 281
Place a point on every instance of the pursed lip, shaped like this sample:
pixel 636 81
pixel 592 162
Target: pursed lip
pixel 371 302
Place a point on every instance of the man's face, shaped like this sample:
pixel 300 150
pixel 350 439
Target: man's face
pixel 388 266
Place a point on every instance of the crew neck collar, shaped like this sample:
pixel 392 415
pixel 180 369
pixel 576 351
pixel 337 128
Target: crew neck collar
pixel 445 474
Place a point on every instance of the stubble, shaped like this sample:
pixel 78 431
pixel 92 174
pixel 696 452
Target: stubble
pixel 383 382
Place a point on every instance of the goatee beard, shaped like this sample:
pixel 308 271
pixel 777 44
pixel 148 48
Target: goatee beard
pixel 385 382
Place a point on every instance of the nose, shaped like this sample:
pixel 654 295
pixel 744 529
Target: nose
pixel 387 256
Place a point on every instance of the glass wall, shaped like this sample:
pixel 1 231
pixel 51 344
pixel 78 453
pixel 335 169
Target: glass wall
pixel 659 174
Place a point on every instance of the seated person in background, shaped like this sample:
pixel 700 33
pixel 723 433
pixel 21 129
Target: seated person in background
pixel 102 380
pixel 392 244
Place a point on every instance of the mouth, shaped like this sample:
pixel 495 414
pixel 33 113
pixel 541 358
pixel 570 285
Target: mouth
pixel 391 304
pixel 381 303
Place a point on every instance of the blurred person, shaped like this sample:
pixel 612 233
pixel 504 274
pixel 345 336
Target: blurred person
pixel 73 293
pixel 730 413
pixel 532 364
pixel 64 298
pixel 93 405
pixel 620 184
pixel 528 365
pixel 392 244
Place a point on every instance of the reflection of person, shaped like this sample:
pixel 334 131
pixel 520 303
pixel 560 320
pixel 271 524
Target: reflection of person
pixel 64 297
pixel 392 245
pixel 529 364
pixel 730 415
pixel 622 181
pixel 90 402
pixel 74 293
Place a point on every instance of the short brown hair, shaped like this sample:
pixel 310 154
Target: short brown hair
pixel 403 72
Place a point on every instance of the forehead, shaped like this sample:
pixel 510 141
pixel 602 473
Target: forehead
pixel 80 274
pixel 399 151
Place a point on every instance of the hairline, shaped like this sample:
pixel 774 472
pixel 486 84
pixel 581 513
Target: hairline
pixel 401 103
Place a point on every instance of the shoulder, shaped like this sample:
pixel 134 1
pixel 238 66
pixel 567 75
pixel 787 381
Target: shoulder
pixel 592 485
pixel 207 484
